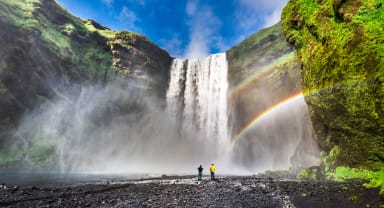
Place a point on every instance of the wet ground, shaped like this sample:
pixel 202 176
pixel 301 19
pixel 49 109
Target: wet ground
pixel 186 191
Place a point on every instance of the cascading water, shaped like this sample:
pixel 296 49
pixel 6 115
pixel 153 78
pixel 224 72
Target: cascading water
pixel 114 128
pixel 197 100
pixel 197 97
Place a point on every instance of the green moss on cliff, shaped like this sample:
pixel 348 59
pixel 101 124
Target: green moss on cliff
pixel 26 15
pixel 10 156
pixel 62 33
pixel 308 174
pixel 130 37
pixel 340 45
pixel 3 89
pixel 263 70
pixel 330 160
pixel 47 54
pixel 42 149
pixel 256 51
pixel 103 31
pixel 41 155
pixel 3 65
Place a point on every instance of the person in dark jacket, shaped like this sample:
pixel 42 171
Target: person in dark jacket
pixel 200 176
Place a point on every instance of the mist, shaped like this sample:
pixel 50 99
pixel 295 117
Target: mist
pixel 113 129
pixel 272 128
pixel 282 139
pixel 127 128
pixel 203 25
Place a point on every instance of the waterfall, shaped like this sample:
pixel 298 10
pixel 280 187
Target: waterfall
pixel 132 133
pixel 197 96
pixel 197 101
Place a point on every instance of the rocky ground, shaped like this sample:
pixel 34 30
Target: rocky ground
pixel 188 192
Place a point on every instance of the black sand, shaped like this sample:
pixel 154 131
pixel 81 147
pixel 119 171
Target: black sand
pixel 187 192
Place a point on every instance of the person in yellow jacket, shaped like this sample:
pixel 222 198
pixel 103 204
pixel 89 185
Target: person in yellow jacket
pixel 212 168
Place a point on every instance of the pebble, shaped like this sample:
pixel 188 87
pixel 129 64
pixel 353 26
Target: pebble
pixel 228 192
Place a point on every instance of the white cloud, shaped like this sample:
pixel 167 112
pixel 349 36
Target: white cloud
pixel 141 2
pixel 197 47
pixel 253 15
pixel 220 43
pixel 264 5
pixel 191 7
pixel 256 13
pixel 173 45
pixel 272 18
pixel 108 2
pixel 203 29
pixel 128 18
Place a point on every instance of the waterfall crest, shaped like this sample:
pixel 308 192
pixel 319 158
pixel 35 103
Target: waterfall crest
pixel 197 100
pixel 197 96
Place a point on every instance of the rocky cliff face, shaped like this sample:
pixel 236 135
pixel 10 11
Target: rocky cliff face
pixel 134 56
pixel 341 48
pixel 262 70
pixel 46 54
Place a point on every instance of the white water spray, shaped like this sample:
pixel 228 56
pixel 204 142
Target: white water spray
pixel 197 100
pixel 197 97
pixel 113 129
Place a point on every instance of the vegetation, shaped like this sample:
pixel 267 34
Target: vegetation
pixel 68 36
pixel 308 174
pixel 95 27
pixel 130 37
pixel 375 179
pixel 256 52
pixel 10 156
pixel 340 45
pixel 41 155
pixel 42 150
pixel 47 55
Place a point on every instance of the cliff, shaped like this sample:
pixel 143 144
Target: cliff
pixel 340 45
pixel 262 70
pixel 46 53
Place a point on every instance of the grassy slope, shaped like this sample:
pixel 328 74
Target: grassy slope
pixel 255 52
pixel 47 54
pixel 62 33
pixel 45 51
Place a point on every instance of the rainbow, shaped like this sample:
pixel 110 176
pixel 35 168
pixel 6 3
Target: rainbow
pixel 293 98
pixel 290 99
pixel 259 73
pixel 239 88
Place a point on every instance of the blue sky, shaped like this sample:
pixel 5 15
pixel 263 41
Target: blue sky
pixel 185 28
